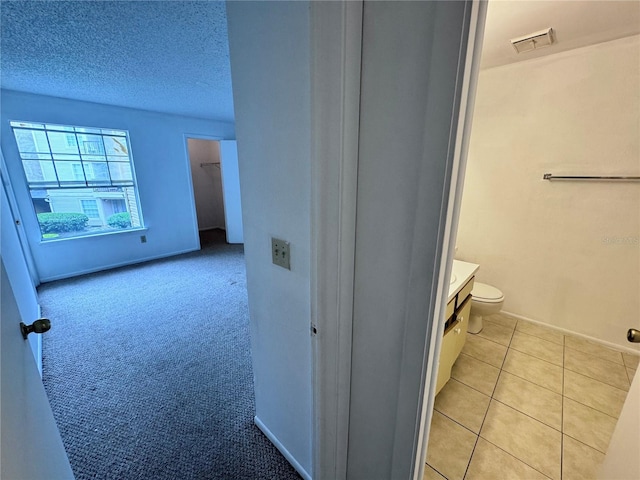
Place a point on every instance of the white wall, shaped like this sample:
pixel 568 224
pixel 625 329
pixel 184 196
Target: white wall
pixel 207 182
pixel 566 254
pixel 164 183
pixel 269 47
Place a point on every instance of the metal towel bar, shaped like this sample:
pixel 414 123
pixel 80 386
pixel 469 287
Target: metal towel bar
pixel 550 176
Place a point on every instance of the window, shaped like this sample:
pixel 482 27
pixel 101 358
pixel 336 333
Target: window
pixel 81 179
pixel 90 208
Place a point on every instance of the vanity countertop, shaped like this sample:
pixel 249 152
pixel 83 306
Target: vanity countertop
pixel 461 272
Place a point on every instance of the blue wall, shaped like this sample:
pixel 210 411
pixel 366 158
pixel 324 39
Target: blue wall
pixel 162 170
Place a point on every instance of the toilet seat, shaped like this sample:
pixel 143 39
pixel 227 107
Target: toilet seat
pixel 486 293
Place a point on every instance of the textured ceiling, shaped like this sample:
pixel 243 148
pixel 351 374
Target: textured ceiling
pixel 167 56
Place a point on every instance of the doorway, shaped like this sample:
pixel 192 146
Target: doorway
pixel 206 177
pixel 556 367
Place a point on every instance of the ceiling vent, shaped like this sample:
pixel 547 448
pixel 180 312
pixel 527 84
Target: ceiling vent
pixel 533 41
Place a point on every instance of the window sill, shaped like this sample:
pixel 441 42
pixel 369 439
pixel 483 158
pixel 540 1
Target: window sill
pixel 92 235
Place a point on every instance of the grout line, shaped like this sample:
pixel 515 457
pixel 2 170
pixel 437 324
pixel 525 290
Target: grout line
pixel 585 444
pixel 518 459
pixel 597 356
pixel 473 451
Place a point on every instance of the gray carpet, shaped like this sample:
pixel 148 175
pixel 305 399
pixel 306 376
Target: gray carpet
pixel 148 370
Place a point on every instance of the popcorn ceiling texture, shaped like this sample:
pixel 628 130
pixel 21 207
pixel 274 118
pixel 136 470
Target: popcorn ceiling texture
pixel 166 56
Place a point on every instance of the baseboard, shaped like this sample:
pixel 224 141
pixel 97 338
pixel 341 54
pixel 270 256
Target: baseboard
pixel 575 334
pixel 263 428
pixel 115 265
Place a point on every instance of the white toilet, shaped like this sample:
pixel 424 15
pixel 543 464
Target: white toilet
pixel 485 300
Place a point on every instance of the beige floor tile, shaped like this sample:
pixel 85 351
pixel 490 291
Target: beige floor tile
pixel 450 447
pixel 595 394
pixel 462 404
pixel 431 474
pixel 476 374
pixel 529 440
pixel 542 349
pixel 485 350
pixel 631 361
pixel 490 463
pixel 530 399
pixel 630 374
pixel 545 333
pixel 579 461
pixel 597 368
pixel 587 425
pixel 535 370
pixel 592 348
pixel 503 320
pixel 496 332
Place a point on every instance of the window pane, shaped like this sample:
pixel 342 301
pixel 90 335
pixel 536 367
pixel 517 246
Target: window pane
pixel 63 142
pixel 116 146
pixel 113 158
pixel 69 172
pixel 87 130
pixel 119 133
pixel 31 141
pixel 120 172
pixel 90 144
pixel 35 156
pixel 96 158
pixel 38 171
pixel 96 171
pixel 59 127
pixel 90 208
pixel 27 125
pixel 60 156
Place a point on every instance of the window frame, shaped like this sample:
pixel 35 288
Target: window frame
pixel 89 188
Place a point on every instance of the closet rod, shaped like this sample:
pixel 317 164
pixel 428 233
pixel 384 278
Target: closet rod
pixel 550 176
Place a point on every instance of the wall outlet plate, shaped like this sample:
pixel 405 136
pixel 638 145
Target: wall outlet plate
pixel 280 253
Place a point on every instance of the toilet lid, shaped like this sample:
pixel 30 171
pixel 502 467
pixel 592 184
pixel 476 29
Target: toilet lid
pixel 486 293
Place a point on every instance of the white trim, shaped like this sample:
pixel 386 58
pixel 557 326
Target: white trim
pixel 116 265
pixel 465 118
pixel 336 42
pixel 15 211
pixel 290 458
pixel 574 334
pixel 43 241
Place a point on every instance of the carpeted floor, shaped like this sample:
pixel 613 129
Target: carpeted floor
pixel 148 370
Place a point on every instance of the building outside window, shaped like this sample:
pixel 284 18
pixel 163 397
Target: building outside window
pixel 81 179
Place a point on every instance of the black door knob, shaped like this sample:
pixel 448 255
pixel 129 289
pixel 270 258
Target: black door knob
pixel 633 335
pixel 39 326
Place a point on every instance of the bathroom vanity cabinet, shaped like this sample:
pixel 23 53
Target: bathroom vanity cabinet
pixel 456 319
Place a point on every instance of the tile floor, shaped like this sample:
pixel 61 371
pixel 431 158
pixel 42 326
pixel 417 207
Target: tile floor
pixel 527 402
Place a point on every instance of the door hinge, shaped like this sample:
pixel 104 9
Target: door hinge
pixel 314 330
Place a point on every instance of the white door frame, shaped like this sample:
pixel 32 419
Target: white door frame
pixel 13 206
pixel 336 55
pixel 336 41
pixel 465 119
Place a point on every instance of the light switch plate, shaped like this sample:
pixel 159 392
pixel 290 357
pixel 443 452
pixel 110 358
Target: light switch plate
pixel 280 253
